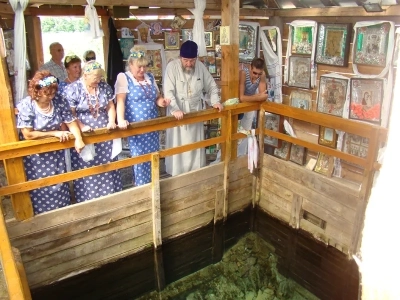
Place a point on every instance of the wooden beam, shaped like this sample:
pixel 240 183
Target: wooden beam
pixel 211 4
pixel 16 281
pixel 230 53
pixel 14 168
pixel 155 191
pixel 106 39
pixel 63 10
pixel 34 42
pixel 337 11
pixel 227 159
pixel 156 213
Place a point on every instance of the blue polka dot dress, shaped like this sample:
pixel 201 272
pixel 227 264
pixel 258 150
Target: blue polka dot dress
pixel 103 184
pixel 45 164
pixel 140 105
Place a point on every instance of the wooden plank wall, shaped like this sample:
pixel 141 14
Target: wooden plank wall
pixel 83 236
pixel 291 193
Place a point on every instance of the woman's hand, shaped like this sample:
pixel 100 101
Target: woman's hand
pixel 62 135
pixel 79 145
pixel 163 102
pixel 111 125
pixel 123 124
pixel 86 128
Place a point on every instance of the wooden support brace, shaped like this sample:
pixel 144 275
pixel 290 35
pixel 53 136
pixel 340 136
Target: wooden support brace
pixel 13 268
pixel 218 234
pixel 156 212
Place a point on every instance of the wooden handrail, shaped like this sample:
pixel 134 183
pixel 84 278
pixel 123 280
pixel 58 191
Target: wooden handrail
pixel 359 128
pixel 19 149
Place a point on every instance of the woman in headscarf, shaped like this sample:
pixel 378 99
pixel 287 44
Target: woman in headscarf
pixel 137 99
pixel 91 100
pixel 41 115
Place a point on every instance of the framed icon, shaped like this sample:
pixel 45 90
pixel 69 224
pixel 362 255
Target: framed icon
pixel 327 136
pixel 366 96
pixel 298 154
pixel 355 145
pixel 299 71
pixel 371 45
pixel 302 40
pixel 324 164
pixel 208 38
pixel 301 100
pixel 332 95
pixel 275 123
pixel 333 43
pixel 171 39
pixel 284 151
pixel 248 42
pixel 187 35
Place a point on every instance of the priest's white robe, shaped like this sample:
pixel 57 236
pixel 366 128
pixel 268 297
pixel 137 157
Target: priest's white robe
pixel 185 92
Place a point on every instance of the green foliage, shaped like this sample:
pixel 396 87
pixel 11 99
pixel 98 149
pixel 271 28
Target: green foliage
pixel 66 24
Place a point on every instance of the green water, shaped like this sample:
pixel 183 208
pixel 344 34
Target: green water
pixel 247 271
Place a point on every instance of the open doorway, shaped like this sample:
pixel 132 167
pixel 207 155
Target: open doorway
pixel 70 33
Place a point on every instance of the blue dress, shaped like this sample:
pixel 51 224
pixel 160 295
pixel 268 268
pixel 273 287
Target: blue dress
pixel 140 105
pixel 103 184
pixel 49 163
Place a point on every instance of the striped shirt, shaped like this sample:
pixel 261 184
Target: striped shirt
pixel 58 71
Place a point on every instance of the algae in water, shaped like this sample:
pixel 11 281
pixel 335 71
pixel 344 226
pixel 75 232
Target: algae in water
pixel 247 271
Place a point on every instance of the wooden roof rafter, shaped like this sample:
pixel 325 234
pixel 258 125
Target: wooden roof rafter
pixel 211 4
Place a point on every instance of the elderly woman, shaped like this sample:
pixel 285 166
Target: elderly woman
pixel 72 64
pixel 91 100
pixel 137 99
pixel 40 116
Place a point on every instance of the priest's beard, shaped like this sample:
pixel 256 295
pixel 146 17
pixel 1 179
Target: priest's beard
pixel 188 70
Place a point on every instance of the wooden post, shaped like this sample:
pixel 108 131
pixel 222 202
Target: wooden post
pixel 14 168
pixel 14 273
pixel 227 159
pixel 106 39
pixel 34 42
pixel 258 171
pixel 230 57
pixel 218 233
pixel 156 209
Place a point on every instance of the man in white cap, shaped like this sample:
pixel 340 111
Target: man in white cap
pixel 184 82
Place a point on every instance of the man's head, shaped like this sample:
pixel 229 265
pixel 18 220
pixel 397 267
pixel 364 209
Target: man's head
pixel 57 52
pixel 257 68
pixel 188 55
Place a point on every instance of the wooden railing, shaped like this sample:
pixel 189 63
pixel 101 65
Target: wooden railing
pixel 228 117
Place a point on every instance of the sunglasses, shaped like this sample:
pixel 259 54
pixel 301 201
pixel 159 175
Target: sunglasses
pixel 90 58
pixel 257 74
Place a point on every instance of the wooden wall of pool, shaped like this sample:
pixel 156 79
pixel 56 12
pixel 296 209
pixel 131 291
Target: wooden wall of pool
pixel 85 236
pixel 103 249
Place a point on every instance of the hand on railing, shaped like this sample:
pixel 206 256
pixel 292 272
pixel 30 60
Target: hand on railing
pixel 123 124
pixel 218 106
pixel 178 114
pixel 62 135
pixel 86 128
pixel 111 125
